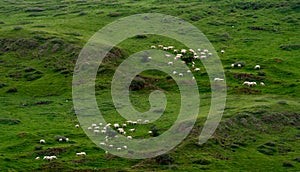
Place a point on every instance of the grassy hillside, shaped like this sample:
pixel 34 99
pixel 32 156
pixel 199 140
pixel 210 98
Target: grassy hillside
pixel 39 45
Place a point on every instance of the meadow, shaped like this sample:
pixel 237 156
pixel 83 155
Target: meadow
pixel 40 42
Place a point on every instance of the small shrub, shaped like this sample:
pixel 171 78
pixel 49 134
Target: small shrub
pixel 39 147
pixel 164 159
pixel 114 14
pixel 290 47
pixel 2 85
pixel 297 159
pixel 141 36
pixel 18 28
pixel 282 102
pixel 287 164
pixel 34 9
pixel 9 121
pixel 137 83
pixel 1 22
pixel 202 162
pixel 82 13
pixel 195 18
pixel 12 90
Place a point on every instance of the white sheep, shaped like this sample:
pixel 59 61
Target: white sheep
pixel 153 46
pixel 257 67
pixel 94 125
pixel 232 65
pixel 170 63
pixel 205 51
pixel 37 158
pixel 102 143
pixel 131 130
pixel 239 65
pixel 96 131
pixel 139 120
pixel 209 54
pixel 124 125
pixel 110 146
pixel 188 71
pixel 60 139
pixel 202 57
pixel 146 121
pixel 100 124
pixel 103 131
pixel 171 47
pixel 90 128
pixel 42 141
pixel 81 154
pixel 67 139
pixel 197 69
pixel 150 132
pixel 174 72
pixel 160 46
pixel 116 125
pixel 167 55
pixel 125 147
pixel 149 58
pixel 183 51
pixel 218 79
pixel 77 126
pixel 119 149
pixel 165 48
pixel 129 137
pixel 175 51
pixel 222 51
pixel 180 74
pixel 262 84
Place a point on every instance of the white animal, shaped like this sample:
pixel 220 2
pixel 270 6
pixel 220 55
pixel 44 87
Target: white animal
pixel 37 158
pixel 183 51
pixel 90 128
pixel 81 154
pixel 42 141
pixel 202 57
pixel 175 51
pixel 257 67
pixel 168 55
pixel 96 131
pixel 77 125
pixel 67 139
pixel 129 137
pixel 150 132
pixel 60 139
pixel 210 54
pixel 139 120
pixel 232 65
pixel 239 65
pixel 146 121
pixel 197 69
pixel 222 51
pixel 262 84
pixel 125 147
pixel 218 79
pixel 205 51
pixel 119 149
pixel 102 143
pixel 149 58
pixel 174 72
pixel 124 125
pixel 100 124
pixel 153 46
pixel 97 128
pixel 116 125
pixel 170 63
pixel 165 48
pixel 110 146
pixel 160 46
pixel 103 131
pixel 180 74
pixel 170 47
pixel 94 125
pixel 132 129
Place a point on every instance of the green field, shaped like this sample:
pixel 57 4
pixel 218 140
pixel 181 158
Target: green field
pixel 40 42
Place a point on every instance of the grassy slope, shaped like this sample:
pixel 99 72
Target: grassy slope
pixel 59 30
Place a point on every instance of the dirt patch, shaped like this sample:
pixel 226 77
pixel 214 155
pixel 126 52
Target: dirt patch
pixel 248 77
pixel 52 151
pixel 247 90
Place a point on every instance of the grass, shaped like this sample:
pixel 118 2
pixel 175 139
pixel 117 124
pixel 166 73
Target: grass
pixel 39 46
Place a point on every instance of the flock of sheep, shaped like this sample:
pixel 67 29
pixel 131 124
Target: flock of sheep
pixel 199 54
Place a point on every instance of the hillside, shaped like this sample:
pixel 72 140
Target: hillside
pixel 40 42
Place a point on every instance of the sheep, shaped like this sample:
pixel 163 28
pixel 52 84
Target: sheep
pixel 106 152
pixel 116 125
pixel 170 63
pixel 191 50
pixel 110 146
pixel 183 51
pixel 205 51
pixel 165 48
pixel 174 72
pixel 129 137
pixel 262 84
pixel 146 121
pixel 196 57
pixel 149 58
pixel 49 158
pixel 124 125
pixel 222 51
pixel 103 131
pixel 37 158
pixel 131 130
pixel 249 83
pixel 139 120
pixel 60 139
pixel 100 124
pixel 81 154
pixel 180 74
pixel 119 149
pixel 199 49
pixel 96 131
pixel 94 125
pixel 171 47
pixel 90 128
pixel 257 67
pixel 67 139
pixel 102 143
pixel 239 65
pixel 188 71
pixel 193 78
pixel 218 79
pixel 202 57
pixel 77 126
pixel 160 46
pixel 197 69
pixel 107 125
pixel 134 122
pixel 153 46
pixel 97 128
pixel 42 141
pixel 125 147
pixel 209 54
pixel 232 65
pixel 167 55
pixel 150 132
pixel 175 51
pixel 179 55
pixel 129 122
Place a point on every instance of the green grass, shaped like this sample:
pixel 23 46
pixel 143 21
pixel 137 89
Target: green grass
pixel 39 46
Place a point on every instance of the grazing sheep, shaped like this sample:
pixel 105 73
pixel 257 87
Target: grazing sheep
pixel 102 143
pixel 42 141
pixel 67 139
pixel 100 124
pixel 106 152
pixel 262 84
pixel 103 131
pixel 222 51
pixel 180 74
pixel 129 137
pixel 129 122
pixel 175 51
pixel 183 51
pixel 37 158
pixel 149 58
pixel 124 125
pixel 165 48
pixel 167 55
pixel 49 158
pixel 257 67
pixel 197 69
pixel 174 72
pixel 150 132
pixel 218 79
pixel 60 139
pixel 202 57
pixel 170 63
pixel 191 50
pixel 160 46
pixel 202 53
pixel 146 121
pixel 81 154
pixel 132 129
pixel 116 125
pixel 97 128
pixel 134 122
pixel 249 83
pixel 193 78
pixel 232 65
pixel 170 47
pixel 119 149
pixel 199 49
pixel 94 125
pixel 196 57
pixel 239 65
pixel 77 126
pixel 188 71
pixel 153 46
pixel 205 51
pixel 90 128
pixel 125 147
pixel 110 146
pixel 96 131
pixel 209 54
pixel 139 120
pixel 179 55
